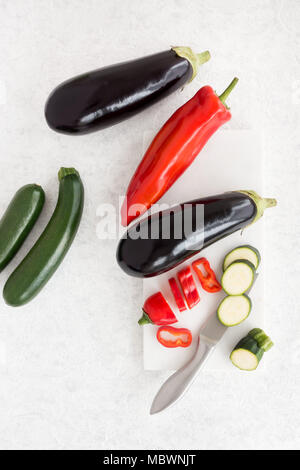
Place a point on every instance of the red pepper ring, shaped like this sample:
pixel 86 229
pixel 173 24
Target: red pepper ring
pixel 189 288
pixel 208 280
pixel 171 337
pixel 177 294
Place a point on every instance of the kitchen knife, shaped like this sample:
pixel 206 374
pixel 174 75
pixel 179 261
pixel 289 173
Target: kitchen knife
pixel 178 383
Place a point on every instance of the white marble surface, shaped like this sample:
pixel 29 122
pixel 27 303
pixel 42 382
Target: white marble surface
pixel 71 373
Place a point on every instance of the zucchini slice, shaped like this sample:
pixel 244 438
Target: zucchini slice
pixel 238 277
pixel 234 309
pixel 246 252
pixel 247 354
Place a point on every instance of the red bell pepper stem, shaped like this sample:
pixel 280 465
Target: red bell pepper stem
pixel 176 337
pixel 157 311
pixel 223 97
pixel 177 294
pixel 174 148
pixel 189 288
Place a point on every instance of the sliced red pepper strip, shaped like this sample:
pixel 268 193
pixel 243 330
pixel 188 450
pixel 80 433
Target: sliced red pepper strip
pixel 177 294
pixel 174 148
pixel 157 311
pixel 208 280
pixel 186 280
pixel 171 337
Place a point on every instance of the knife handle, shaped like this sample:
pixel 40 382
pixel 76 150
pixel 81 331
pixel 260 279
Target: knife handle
pixel 178 383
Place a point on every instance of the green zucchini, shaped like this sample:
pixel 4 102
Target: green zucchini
pixel 18 220
pixel 249 351
pixel 263 341
pixel 48 252
pixel 234 309
pixel 247 354
pixel 246 252
pixel 238 277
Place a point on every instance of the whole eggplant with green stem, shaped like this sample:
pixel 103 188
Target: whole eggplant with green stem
pixel 107 96
pixel 164 239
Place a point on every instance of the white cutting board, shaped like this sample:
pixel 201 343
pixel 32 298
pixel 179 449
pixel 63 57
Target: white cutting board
pixel 231 160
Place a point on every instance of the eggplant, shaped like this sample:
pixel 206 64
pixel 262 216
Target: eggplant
pixel 161 241
pixel 107 96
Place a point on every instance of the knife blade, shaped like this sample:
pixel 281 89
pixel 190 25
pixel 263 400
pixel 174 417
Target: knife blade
pixel 178 383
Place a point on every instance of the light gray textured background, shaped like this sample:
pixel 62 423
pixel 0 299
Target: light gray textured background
pixel 71 372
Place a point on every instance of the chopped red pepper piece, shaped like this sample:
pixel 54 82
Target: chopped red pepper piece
pixel 174 148
pixel 156 310
pixel 188 286
pixel 171 337
pixel 177 294
pixel 208 280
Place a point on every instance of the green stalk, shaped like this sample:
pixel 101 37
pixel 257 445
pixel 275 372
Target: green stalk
pixel 65 172
pixel 227 92
pixel 262 203
pixel 263 340
pixel 194 59
pixel 144 320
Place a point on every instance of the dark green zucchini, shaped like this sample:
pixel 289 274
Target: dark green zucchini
pixel 48 252
pixel 263 340
pixel 18 220
pixel 248 352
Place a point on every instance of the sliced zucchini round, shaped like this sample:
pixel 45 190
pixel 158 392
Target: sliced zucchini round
pixel 234 309
pixel 244 359
pixel 246 252
pixel 238 277
pixel 247 354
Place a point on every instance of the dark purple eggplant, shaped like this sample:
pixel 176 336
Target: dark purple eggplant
pixel 165 239
pixel 107 96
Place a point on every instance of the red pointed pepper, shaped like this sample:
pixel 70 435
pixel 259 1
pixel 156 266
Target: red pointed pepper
pixel 157 311
pixel 174 148
pixel 208 280
pixel 171 337
pixel 189 288
pixel 177 294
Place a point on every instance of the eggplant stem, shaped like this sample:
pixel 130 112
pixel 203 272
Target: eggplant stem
pixel 269 202
pixel 194 59
pixel 203 57
pixel 262 203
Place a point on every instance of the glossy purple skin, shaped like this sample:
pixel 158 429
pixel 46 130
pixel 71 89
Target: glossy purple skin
pixel 107 96
pixel 220 216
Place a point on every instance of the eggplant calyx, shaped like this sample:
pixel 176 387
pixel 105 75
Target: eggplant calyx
pixel 262 203
pixel 194 59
